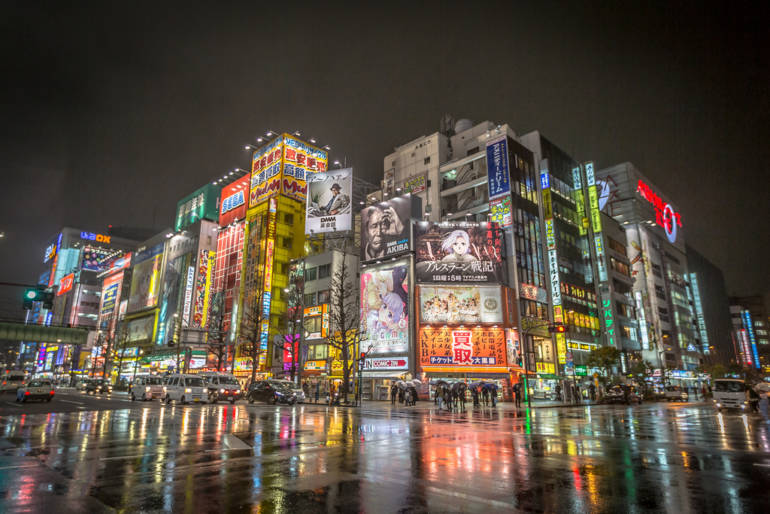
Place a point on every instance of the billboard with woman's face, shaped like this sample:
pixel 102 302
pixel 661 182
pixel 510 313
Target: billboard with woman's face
pixel 459 252
pixel 385 308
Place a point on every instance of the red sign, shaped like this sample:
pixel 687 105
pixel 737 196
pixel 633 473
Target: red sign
pixel 232 201
pixel 462 349
pixel 477 348
pixel 665 216
pixel 65 284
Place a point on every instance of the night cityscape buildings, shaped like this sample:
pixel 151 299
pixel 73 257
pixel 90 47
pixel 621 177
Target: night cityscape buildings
pixel 599 251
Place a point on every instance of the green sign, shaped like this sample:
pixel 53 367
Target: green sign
pixel 201 204
pixel 581 371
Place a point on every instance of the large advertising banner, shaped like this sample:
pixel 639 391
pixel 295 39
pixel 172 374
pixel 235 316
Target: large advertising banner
pixel 300 161
pixel 266 172
pixel 328 201
pixel 110 293
pixel 385 229
pixel 461 348
pixel 96 259
pixel 145 280
pixel 385 308
pixel 141 329
pixel 203 288
pixel 455 305
pixel 498 174
pixel 459 252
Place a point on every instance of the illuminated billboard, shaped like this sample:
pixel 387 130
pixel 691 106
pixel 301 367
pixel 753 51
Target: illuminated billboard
pixel 500 211
pixel 282 166
pixel 385 229
pixel 145 280
pixel 232 203
pixel 458 304
pixel 65 284
pixel 140 329
pixel 201 204
pixel 459 252
pixel 498 173
pixel 328 201
pixel 96 259
pixel 110 293
pixel 665 215
pixel 464 349
pixel 385 308
pixel 202 292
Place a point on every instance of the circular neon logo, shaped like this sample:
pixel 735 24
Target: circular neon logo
pixel 669 222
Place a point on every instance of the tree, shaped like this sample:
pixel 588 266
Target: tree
pixel 121 334
pixel 217 331
pixel 604 358
pixel 251 330
pixel 343 318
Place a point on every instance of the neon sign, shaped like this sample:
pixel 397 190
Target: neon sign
pixel 233 201
pixel 665 216
pixel 99 238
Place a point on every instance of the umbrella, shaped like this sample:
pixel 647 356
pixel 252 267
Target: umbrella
pixel 477 384
pixel 438 382
pixel 762 387
pixel 491 387
pixel 401 384
pixel 415 382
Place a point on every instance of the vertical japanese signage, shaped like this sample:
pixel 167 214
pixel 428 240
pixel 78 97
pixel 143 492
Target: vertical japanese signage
pixel 593 198
pixel 642 321
pixel 580 207
pixel 608 318
pixel 751 337
pixel 203 288
pixel 188 296
pixel 553 264
pixel 266 171
pixel 500 211
pixel 267 285
pixel 498 174
pixel 699 313
pixel 300 160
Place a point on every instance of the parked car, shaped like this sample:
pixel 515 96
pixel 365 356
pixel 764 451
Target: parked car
pixel 12 381
pixel 146 387
pixel 675 394
pixel 184 389
pixel 36 389
pixel 617 394
pixel 272 392
pixel 299 394
pixel 222 386
pixel 98 386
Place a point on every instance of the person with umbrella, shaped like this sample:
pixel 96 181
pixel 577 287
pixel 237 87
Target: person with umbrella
pixel 517 394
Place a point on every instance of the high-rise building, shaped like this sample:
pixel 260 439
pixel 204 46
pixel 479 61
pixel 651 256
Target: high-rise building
pixel 656 248
pixel 749 316
pixel 712 308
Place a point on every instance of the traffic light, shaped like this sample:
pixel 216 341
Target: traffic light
pixel 557 328
pixel 37 294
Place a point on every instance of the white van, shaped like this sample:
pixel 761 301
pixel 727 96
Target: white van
pixel 222 386
pixel 184 389
pixel 730 393
pixel 146 387
pixel 13 380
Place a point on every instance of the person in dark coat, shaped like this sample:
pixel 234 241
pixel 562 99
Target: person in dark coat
pixel 517 394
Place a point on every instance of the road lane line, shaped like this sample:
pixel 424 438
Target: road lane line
pixel 70 401
pixel 14 404
pixel 235 443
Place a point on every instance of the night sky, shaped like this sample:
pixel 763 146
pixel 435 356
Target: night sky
pixel 109 116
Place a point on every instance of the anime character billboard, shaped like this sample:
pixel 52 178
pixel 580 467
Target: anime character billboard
pixel 385 308
pixel 459 252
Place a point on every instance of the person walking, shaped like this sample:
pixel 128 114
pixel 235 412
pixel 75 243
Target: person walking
pixel 393 394
pixel 592 392
pixel 317 391
pixel 438 397
pixel 578 394
pixel 485 396
pixel 517 394
pixel 306 389
pixel 558 392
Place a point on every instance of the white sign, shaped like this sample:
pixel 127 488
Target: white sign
pixel 188 289
pixel 385 364
pixel 329 201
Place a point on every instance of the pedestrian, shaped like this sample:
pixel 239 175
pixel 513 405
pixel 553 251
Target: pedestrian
pixel 317 391
pixel 485 396
pixel 400 395
pixel 306 389
pixel 764 403
pixel 493 396
pixel 703 391
pixel 475 395
pixel 558 392
pixel 578 394
pixel 393 394
pixel 438 397
pixel 517 394
pixel 592 392
pixel 626 394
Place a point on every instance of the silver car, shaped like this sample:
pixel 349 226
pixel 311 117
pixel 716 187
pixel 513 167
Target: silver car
pixel 146 387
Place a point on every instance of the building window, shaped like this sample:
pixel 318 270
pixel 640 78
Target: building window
pixel 310 274
pixel 288 218
pixel 324 270
pixel 309 299
pixel 426 160
pixel 317 352
pixel 324 296
pixel 287 243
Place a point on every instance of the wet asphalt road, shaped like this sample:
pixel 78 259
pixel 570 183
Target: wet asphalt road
pixel 204 458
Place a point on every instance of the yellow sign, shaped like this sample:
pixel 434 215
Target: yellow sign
pixel 582 222
pixel 546 367
pixel 547 205
pixel 561 348
pixel 596 219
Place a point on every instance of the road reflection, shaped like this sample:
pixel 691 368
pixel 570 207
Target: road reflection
pixel 309 458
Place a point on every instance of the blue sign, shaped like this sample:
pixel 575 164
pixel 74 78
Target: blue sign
pixel 545 182
pixel 233 201
pixel 498 174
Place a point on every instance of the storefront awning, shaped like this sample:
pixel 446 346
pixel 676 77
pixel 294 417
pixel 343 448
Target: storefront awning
pixel 465 369
pixel 384 374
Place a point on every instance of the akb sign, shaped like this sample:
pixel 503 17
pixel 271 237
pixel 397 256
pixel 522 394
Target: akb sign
pixel 665 216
